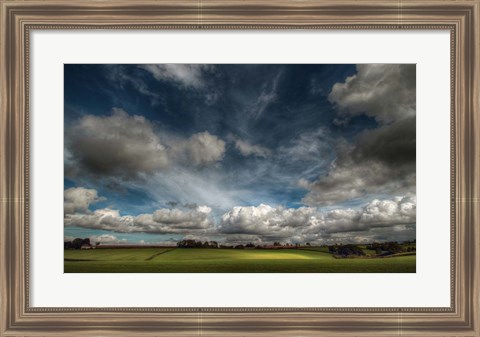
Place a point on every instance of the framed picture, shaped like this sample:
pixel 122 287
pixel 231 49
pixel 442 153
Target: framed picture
pixel 239 169
pixel 230 180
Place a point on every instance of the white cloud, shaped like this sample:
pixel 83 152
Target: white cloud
pixel 386 219
pixel 79 199
pixel 399 210
pixel 248 149
pixel 200 149
pixel 185 75
pixel 105 239
pixel 197 218
pixel 160 221
pixel 383 91
pixel 267 221
pixel 376 213
pixel 306 224
pixel 177 222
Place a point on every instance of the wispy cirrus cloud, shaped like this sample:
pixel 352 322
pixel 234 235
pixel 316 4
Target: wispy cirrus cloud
pixel 248 149
pixel 183 75
pixel 267 95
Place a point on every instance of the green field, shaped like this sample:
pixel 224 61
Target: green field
pixel 201 260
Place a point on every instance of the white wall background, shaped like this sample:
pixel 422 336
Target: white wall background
pixel 428 287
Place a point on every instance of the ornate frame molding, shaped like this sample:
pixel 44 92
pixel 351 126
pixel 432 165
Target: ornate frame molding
pixel 19 18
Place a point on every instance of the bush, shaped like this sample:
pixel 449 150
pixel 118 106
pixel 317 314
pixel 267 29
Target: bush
pixel 346 250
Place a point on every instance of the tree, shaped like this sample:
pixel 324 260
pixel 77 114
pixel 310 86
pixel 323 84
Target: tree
pixel 188 243
pixel 349 250
pixel 77 243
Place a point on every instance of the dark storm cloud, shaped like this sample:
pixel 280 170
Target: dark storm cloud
pixel 380 160
pixel 394 145
pixel 386 92
pixel 119 144
pixel 128 146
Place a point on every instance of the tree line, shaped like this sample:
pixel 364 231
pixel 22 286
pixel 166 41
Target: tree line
pixel 343 250
pixel 190 243
pixel 77 243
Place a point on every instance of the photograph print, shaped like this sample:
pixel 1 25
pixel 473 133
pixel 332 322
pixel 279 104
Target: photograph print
pixel 239 168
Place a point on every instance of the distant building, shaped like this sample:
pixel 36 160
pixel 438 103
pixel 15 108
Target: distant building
pixel 86 247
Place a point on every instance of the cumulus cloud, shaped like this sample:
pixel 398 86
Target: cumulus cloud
pixel 129 147
pixel 171 221
pixel 257 224
pixel 163 221
pixel 105 239
pixel 377 220
pixel 377 213
pixel 380 160
pixel 248 149
pixel 119 144
pixel 200 149
pixel 386 92
pixel 79 199
pixel 184 75
pixel 196 218
pixel 267 221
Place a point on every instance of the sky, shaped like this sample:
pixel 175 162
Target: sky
pixel 239 153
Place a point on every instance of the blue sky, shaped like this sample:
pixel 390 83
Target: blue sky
pixel 240 153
